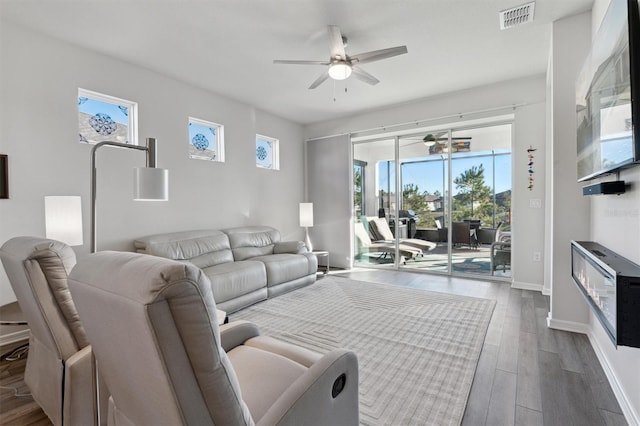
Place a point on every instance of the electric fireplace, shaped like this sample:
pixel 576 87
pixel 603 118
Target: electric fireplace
pixel 611 285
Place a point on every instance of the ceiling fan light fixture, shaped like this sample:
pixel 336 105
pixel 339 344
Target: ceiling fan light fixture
pixel 340 71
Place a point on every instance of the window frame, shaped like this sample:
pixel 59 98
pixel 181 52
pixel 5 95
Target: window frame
pixel 219 139
pixel 132 114
pixel 275 152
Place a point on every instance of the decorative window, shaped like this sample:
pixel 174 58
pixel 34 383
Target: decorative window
pixel 267 152
pixel 206 140
pixel 105 118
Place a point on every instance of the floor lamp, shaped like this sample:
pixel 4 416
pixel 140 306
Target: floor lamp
pixel 306 220
pixel 149 183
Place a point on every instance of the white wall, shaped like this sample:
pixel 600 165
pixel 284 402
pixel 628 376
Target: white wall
pixel 39 131
pixel 570 215
pixel 529 129
pixel 613 221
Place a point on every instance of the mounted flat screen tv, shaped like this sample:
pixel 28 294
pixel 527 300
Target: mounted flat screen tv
pixel 608 95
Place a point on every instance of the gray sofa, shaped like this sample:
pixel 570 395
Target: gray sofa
pixel 245 265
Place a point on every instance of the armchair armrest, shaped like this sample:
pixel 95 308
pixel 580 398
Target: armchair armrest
pixel 295 247
pixel 320 396
pixel 236 333
pixel 79 381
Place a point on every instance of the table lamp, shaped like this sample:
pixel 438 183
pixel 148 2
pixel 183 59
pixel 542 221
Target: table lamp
pixel 306 220
pixel 63 219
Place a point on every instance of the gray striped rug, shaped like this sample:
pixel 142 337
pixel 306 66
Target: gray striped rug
pixel 417 350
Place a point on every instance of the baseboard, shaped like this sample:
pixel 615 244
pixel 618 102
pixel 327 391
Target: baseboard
pixel 572 326
pixel 630 415
pixel 9 338
pixel 526 286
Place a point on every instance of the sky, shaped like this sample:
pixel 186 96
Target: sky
pixel 428 175
pixel 92 107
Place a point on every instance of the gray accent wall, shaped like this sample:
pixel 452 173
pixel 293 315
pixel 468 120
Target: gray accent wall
pixel 329 186
pixel 39 81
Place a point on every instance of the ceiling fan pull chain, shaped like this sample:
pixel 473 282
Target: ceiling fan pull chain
pixel 334 90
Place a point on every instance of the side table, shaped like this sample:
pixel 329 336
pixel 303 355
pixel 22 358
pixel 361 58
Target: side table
pixel 325 254
pixel 13 325
pixel 222 317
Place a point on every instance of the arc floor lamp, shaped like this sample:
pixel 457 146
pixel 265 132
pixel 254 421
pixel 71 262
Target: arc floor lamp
pixel 149 183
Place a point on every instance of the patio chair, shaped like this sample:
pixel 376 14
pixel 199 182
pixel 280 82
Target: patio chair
pixel 381 233
pixel 501 252
pixel 461 234
pixel 365 245
pixel 489 235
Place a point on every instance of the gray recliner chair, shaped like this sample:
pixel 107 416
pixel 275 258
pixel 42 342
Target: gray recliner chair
pixel 152 323
pixel 60 370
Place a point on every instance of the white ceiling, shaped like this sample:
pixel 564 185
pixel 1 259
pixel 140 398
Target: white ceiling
pixel 228 46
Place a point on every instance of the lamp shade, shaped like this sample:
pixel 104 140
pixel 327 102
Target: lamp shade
pixel 150 184
pixel 63 219
pixel 306 214
pixel 339 71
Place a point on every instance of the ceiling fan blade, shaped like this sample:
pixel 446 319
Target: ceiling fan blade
pixel 362 75
pixel 336 45
pixel 376 55
pixel 320 80
pixel 281 61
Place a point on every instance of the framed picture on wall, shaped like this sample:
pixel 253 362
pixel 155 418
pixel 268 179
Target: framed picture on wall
pixel 4 176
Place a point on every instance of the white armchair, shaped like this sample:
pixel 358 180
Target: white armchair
pixel 152 322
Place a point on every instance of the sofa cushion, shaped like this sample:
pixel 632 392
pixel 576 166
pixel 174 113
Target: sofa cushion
pixel 251 241
pixel 231 280
pixel 282 268
pixel 203 248
pixel 295 247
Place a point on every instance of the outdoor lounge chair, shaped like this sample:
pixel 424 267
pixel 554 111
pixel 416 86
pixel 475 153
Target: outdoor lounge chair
pixel 381 233
pixel 365 245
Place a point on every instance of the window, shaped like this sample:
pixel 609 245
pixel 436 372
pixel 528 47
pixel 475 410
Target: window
pixel 206 140
pixel 106 118
pixel 267 153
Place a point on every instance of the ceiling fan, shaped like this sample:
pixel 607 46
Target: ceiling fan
pixel 341 66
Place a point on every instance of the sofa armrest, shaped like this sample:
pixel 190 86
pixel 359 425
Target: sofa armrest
pixel 236 333
pixel 295 247
pixel 310 399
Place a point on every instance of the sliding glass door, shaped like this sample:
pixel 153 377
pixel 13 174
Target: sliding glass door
pixel 445 207
pixel 374 197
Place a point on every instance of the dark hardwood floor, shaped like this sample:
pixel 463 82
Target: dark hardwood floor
pixel 527 374
pixel 16 404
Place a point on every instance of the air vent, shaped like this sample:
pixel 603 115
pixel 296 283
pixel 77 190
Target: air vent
pixel 517 16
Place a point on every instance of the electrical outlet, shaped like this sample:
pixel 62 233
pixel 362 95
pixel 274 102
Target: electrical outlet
pixel 535 203
pixel 537 256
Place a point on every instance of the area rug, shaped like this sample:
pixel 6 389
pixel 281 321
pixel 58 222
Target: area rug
pixel 417 350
